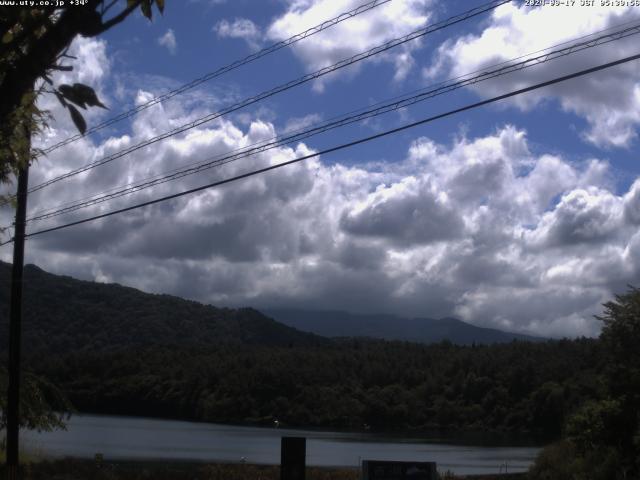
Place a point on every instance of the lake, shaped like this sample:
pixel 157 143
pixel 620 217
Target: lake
pixel 130 438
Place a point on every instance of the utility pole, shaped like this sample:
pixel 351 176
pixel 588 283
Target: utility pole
pixel 15 327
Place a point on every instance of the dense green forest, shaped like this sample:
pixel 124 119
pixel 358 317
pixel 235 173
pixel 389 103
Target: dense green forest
pixel 520 387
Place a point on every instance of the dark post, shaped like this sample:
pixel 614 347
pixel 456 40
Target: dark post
pixel 15 319
pixel 293 453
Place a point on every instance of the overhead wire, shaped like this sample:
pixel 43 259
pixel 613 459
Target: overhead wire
pixel 281 88
pixel 222 70
pixel 361 109
pixel 342 146
pixel 380 108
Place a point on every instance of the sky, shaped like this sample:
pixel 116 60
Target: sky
pixel 521 215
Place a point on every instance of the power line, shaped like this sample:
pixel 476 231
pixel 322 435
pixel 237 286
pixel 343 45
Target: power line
pixel 614 36
pixel 346 119
pixel 222 70
pixel 351 117
pixel 342 146
pixel 281 88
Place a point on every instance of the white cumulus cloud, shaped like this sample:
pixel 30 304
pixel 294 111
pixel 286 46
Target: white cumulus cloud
pixel 608 100
pixel 392 20
pixel 416 239
pixel 168 40
pixel 242 28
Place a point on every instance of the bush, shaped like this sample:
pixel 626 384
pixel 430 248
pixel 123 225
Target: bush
pixel 563 461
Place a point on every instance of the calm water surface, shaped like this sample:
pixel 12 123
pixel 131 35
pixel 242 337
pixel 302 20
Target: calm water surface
pixel 150 439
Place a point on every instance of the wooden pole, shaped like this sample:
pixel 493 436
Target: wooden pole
pixel 293 451
pixel 15 327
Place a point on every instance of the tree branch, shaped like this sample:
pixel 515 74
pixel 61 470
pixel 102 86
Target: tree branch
pixel 105 9
pixel 118 18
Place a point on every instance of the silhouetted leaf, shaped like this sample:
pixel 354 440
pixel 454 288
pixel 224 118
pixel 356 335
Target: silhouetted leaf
pixel 70 94
pixel 87 95
pixel 80 94
pixel 145 6
pixel 77 118
pixel 160 4
pixel 60 99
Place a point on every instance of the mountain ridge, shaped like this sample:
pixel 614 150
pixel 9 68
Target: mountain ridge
pixel 335 323
pixel 61 313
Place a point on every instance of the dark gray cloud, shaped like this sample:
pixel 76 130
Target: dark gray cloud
pixel 100 236
pixel 582 216
pixel 407 213
pixel 358 255
pixel 477 269
pixel 183 240
pixel 632 204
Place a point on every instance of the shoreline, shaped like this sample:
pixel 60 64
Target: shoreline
pixel 140 440
pixel 497 438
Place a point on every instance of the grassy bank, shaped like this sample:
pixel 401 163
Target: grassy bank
pixel 74 469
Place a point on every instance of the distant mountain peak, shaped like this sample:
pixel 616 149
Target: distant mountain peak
pixel 333 323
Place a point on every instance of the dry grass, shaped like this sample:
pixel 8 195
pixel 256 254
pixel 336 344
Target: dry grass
pixel 74 469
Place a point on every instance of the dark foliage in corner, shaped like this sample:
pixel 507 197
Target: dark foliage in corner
pixel 603 435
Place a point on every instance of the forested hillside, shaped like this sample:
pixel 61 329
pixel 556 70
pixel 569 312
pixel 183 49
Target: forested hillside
pixel 62 314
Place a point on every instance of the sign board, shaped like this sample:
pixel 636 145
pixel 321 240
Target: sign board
pixel 293 452
pixel 382 470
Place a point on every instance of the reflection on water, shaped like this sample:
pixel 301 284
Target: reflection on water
pixel 150 439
